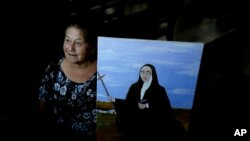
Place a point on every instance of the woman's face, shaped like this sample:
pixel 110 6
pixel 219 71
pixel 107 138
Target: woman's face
pixel 146 73
pixel 75 48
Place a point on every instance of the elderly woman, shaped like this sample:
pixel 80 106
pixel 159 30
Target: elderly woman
pixel 67 93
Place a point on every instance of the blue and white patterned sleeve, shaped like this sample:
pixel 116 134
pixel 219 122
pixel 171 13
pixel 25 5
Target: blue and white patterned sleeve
pixel 44 85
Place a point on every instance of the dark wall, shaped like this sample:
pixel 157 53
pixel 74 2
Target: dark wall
pixel 221 105
pixel 31 36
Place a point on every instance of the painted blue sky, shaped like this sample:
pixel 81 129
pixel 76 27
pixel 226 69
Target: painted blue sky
pixel 177 65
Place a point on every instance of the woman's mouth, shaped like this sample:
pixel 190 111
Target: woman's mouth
pixel 72 54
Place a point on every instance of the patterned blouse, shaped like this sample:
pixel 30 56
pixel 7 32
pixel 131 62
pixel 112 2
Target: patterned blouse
pixel 73 104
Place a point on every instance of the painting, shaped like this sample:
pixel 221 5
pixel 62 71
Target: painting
pixel 119 61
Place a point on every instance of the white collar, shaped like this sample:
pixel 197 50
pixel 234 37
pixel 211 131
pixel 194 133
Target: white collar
pixel 145 86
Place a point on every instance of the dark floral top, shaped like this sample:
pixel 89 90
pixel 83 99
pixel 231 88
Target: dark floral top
pixel 72 104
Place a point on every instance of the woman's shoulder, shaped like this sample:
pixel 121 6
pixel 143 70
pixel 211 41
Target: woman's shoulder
pixel 163 89
pixel 134 85
pixel 53 65
pixel 159 88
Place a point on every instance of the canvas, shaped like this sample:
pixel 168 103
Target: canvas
pixel 119 60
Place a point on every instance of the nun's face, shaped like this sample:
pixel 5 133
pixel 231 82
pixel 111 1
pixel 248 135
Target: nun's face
pixel 146 73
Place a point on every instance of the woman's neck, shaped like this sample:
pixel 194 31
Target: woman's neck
pixel 81 65
pixel 79 72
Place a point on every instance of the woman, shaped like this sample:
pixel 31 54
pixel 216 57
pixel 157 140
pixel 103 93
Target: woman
pixel 149 110
pixel 68 90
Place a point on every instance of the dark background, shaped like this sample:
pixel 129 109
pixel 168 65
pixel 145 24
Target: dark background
pixel 32 34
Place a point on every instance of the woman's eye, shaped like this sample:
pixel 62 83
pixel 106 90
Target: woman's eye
pixel 79 43
pixel 67 40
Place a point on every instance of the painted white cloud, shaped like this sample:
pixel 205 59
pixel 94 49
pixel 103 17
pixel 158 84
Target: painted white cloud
pixel 190 69
pixel 114 69
pixel 102 95
pixel 165 62
pixel 115 85
pixel 110 82
pixel 183 91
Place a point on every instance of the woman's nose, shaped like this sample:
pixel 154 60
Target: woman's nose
pixel 71 46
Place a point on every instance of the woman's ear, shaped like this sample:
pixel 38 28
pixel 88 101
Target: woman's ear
pixel 94 53
pixel 93 50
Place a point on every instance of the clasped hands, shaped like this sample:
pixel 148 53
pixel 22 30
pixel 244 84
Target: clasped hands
pixel 143 104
